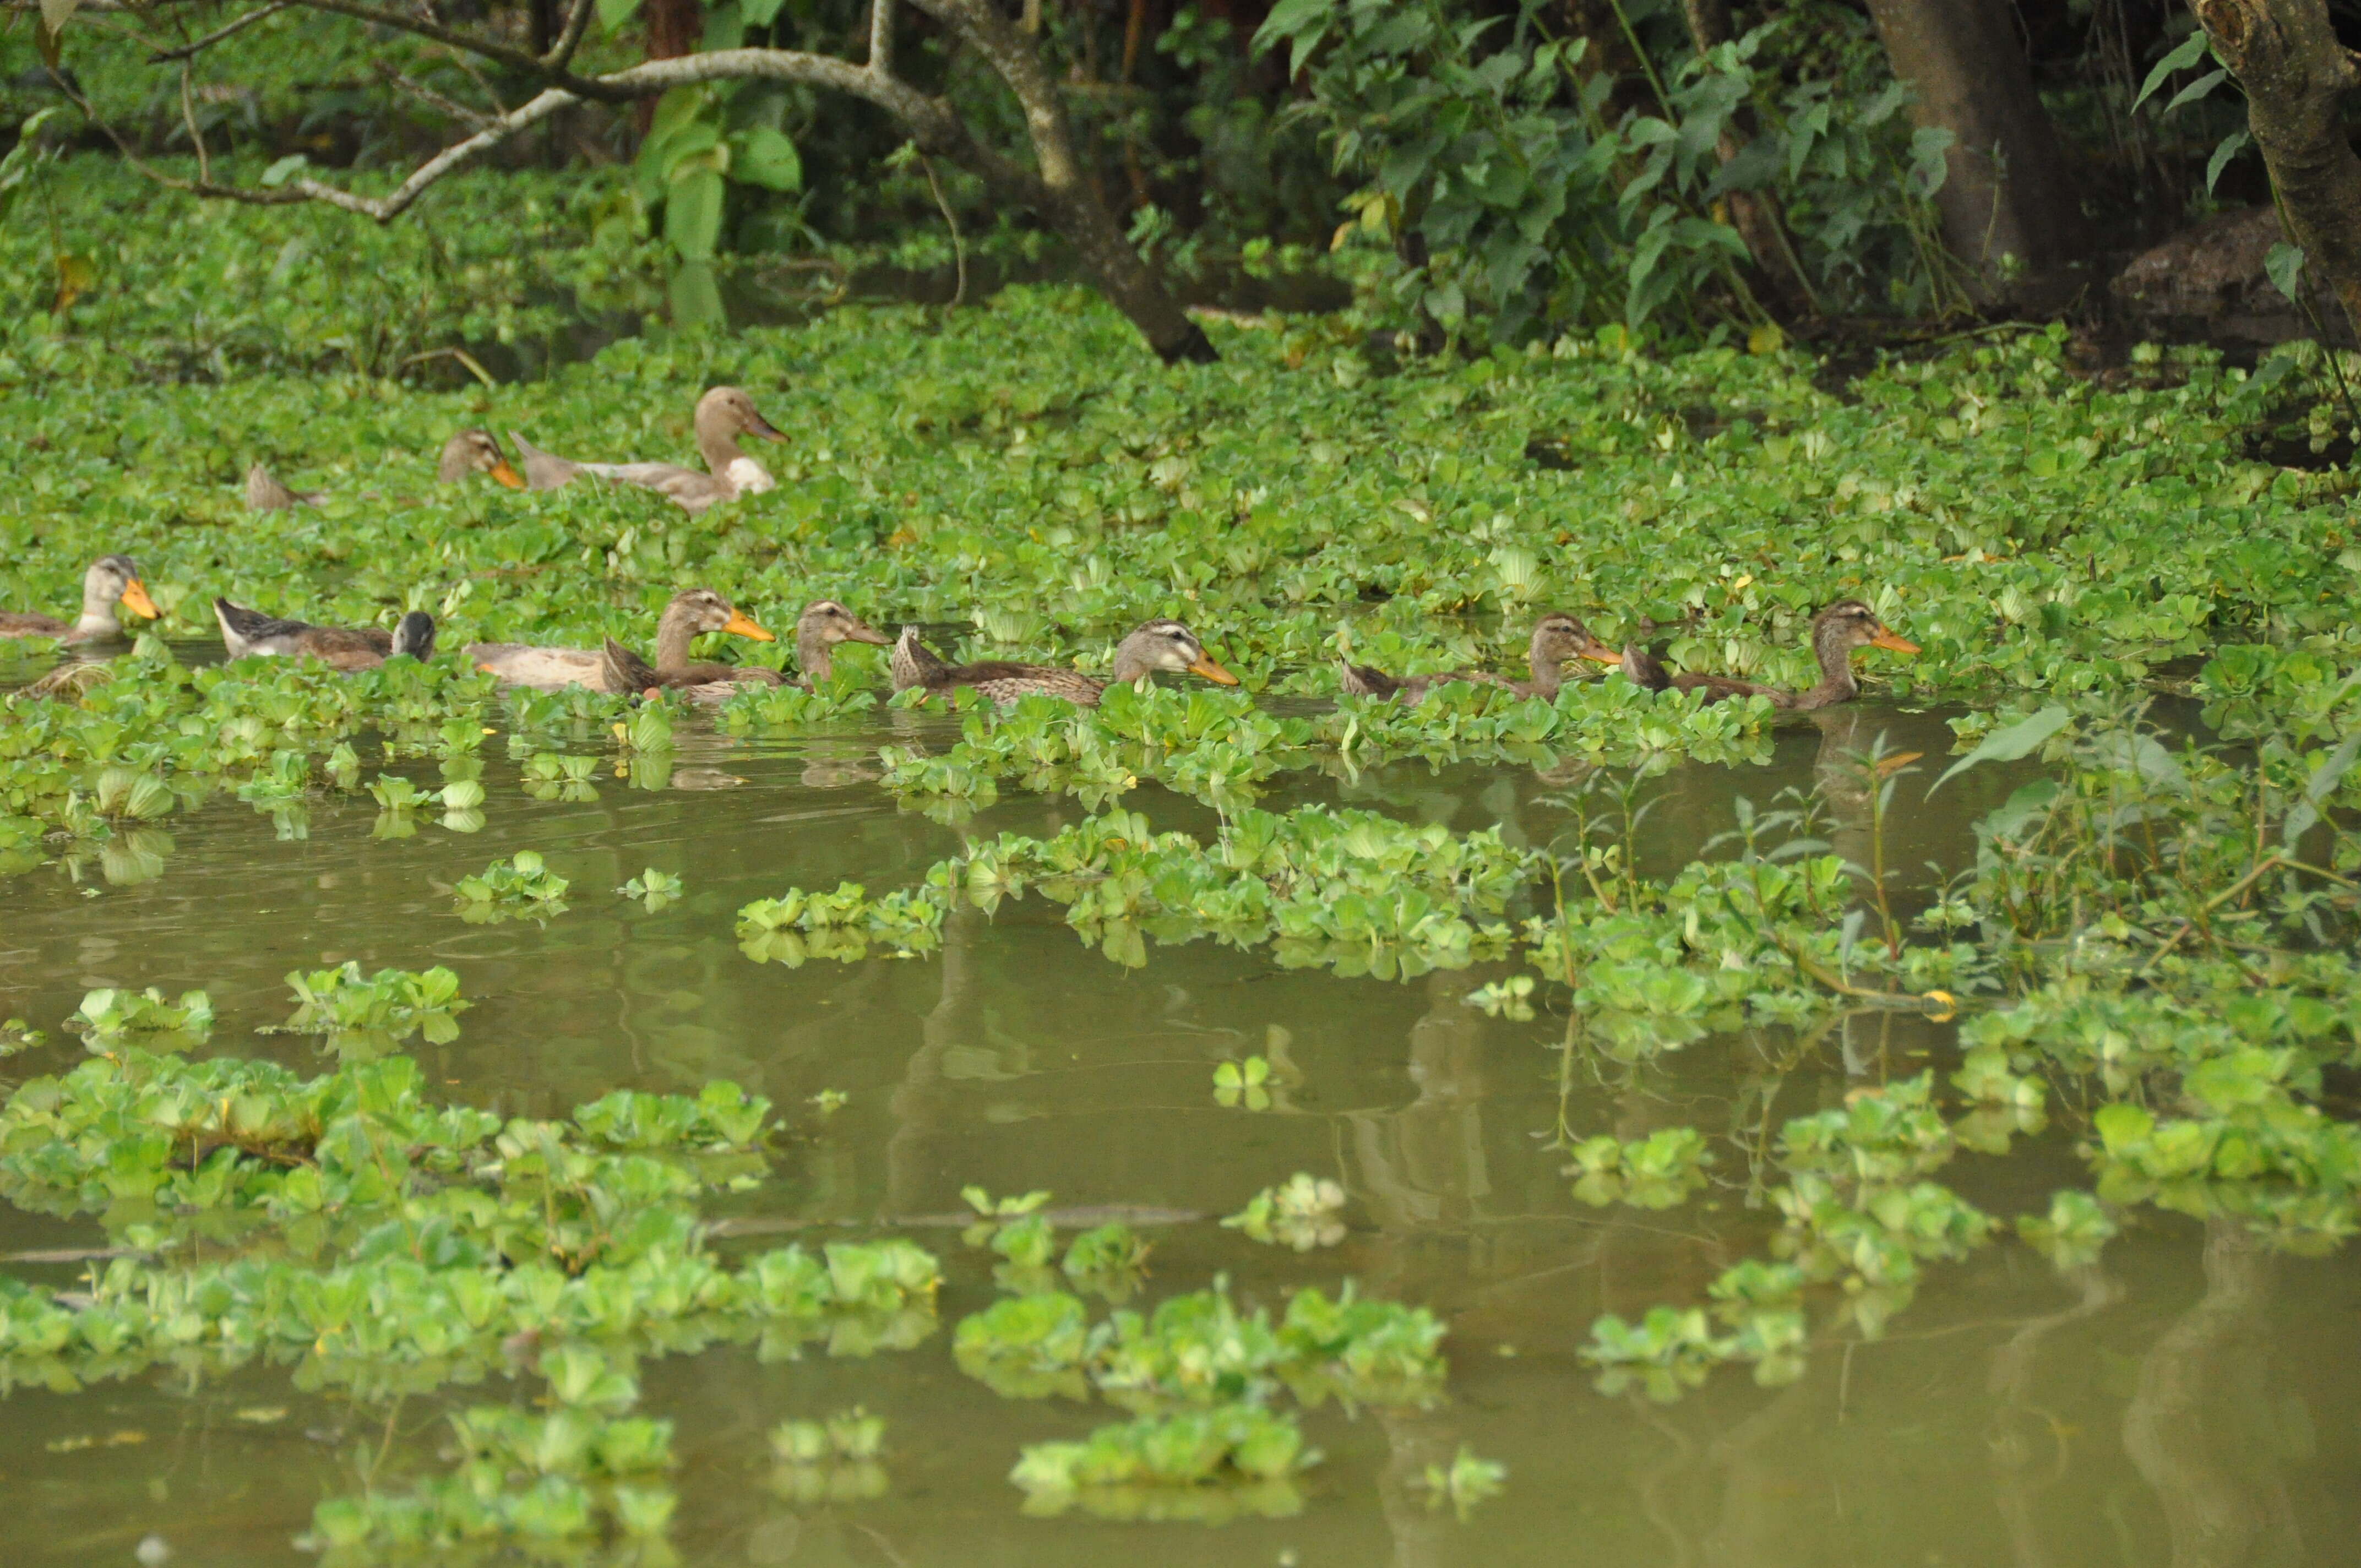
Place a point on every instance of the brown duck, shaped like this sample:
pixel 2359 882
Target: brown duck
pixel 691 613
pixel 1557 637
pixel 249 632
pixel 1156 645
pixel 723 415
pixel 1837 631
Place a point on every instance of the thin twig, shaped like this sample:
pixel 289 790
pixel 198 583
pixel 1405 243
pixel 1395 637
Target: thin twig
pixel 881 37
pixel 958 246
pixel 196 136
pixel 475 119
pixel 463 357
pixel 239 25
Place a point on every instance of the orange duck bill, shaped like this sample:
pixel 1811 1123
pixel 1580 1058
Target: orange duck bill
pixel 1598 652
pixel 1215 673
pixel 1889 639
pixel 506 475
pixel 743 625
pixel 135 599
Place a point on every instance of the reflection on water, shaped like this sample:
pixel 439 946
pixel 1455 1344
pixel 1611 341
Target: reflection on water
pixel 2188 1401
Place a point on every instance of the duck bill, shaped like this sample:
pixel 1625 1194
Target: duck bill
pixel 864 632
pixel 758 425
pixel 1601 653
pixel 507 476
pixel 1893 641
pixel 135 599
pixel 742 625
pixel 1215 673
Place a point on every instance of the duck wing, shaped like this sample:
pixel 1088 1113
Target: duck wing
pixel 686 489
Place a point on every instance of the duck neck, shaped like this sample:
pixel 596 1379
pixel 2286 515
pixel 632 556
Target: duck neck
pixel 1129 666
pixel 812 653
pixel 1836 683
pixel 1549 673
pixel 720 448
pixel 97 618
pixel 675 632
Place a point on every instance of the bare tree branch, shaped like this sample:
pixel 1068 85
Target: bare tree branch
pixel 543 105
pixel 881 37
pixel 239 25
pixel 561 53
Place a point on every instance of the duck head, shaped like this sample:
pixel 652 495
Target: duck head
pixel 476 452
pixel 1166 645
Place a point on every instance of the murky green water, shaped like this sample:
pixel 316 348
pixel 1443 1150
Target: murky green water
pixel 2189 1402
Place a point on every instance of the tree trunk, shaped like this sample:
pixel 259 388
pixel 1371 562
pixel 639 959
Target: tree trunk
pixel 1067 200
pixel 675 28
pixel 2286 55
pixel 2007 193
pixel 1753 214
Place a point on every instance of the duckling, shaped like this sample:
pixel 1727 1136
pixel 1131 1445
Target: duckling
pixel 823 624
pixel 723 415
pixel 1837 631
pixel 111 580
pixel 692 613
pixel 1156 645
pixel 249 632
pixel 1557 637
pixel 475 452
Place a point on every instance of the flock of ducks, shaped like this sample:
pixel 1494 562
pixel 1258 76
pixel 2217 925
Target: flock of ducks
pixel 725 414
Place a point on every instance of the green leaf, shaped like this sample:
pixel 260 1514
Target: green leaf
pixel 286 168
pixel 767 158
pixel 2007 745
pixel 693 213
pixel 613 14
pixel 2121 1125
pixel 2285 264
pixel 759 13
pixel 2196 88
pixel 2231 146
pixel 2179 59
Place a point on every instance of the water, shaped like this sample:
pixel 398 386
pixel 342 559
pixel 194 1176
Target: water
pixel 2189 1402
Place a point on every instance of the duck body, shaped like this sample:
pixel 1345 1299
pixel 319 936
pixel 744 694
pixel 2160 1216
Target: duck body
pixel 691 613
pixel 723 414
pixel 249 633
pixel 1837 631
pixel 111 580
pixel 1556 637
pixel 1156 645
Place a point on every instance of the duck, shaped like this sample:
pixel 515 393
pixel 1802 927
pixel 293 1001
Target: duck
pixel 723 415
pixel 249 633
pixel 1157 645
pixel 1837 631
pixel 1557 637
pixel 264 492
pixel 475 452
pixel 111 580
pixel 823 624
pixel 691 613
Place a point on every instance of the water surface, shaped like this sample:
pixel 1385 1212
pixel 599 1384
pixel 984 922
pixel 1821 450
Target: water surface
pixel 2188 1400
